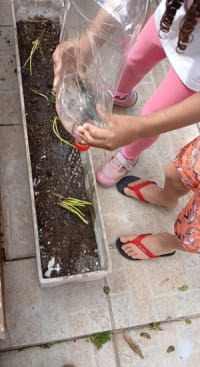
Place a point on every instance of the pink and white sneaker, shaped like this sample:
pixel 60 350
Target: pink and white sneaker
pixel 128 101
pixel 111 172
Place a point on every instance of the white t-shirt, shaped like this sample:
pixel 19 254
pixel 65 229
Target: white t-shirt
pixel 186 64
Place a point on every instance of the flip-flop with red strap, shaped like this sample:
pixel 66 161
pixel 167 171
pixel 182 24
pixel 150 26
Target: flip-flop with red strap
pixel 137 242
pixel 127 180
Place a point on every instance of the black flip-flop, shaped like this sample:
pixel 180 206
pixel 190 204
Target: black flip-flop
pixel 125 181
pixel 137 242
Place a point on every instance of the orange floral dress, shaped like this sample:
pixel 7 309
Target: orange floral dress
pixel 187 225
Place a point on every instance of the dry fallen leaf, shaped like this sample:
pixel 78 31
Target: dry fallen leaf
pixel 135 347
pixel 145 335
pixel 183 288
pixel 106 289
pixel 170 349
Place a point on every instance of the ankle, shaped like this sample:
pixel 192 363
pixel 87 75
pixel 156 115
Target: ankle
pixel 121 96
pixel 168 201
pixel 127 157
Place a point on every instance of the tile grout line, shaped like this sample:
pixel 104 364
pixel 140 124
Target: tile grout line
pixel 114 342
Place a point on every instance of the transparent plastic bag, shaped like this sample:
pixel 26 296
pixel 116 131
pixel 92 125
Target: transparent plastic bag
pixel 95 38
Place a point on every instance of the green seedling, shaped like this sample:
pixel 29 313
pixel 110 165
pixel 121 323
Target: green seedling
pixel 39 94
pixel 53 100
pixel 56 132
pixel 36 45
pixel 73 205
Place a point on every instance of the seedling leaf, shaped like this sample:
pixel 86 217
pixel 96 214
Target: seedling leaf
pixel 39 93
pixel 56 132
pixel 36 45
pixel 53 100
pixel 73 205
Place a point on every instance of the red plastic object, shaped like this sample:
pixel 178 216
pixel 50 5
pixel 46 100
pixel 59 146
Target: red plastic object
pixel 81 147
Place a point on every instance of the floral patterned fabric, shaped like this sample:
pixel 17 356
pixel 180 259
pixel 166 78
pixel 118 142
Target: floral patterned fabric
pixel 187 225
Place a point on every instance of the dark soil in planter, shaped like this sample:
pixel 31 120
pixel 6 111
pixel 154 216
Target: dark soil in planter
pixel 67 245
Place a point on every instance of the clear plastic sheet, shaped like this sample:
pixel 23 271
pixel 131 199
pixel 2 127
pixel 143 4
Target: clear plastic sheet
pixel 95 38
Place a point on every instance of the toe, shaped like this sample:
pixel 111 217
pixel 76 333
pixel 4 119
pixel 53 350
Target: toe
pixel 129 192
pixel 124 239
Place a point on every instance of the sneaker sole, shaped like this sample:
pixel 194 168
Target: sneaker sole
pixel 123 103
pixel 105 183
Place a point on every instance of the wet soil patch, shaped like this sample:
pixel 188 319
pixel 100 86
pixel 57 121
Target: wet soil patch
pixel 67 245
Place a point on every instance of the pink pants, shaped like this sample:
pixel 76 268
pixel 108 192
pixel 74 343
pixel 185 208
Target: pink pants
pixel 144 55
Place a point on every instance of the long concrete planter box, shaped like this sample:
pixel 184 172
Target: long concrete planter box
pixel 27 10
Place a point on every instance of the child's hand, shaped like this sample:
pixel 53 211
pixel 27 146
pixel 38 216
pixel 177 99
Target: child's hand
pixel 63 56
pixel 72 56
pixel 119 130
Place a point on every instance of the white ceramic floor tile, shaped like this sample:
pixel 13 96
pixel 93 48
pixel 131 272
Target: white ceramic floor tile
pixel 79 353
pixel 36 315
pixel 18 227
pixel 178 336
pixel 146 291
pixel 7 45
pixel 6 13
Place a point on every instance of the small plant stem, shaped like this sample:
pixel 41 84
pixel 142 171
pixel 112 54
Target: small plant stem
pixel 79 201
pixel 72 204
pixel 39 93
pixel 36 46
pixel 56 132
pixel 74 211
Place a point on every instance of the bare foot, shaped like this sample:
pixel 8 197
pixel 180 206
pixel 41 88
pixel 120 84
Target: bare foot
pixel 153 194
pixel 157 244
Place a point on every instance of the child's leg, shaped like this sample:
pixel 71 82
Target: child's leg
pixel 170 91
pixel 186 237
pixel 144 55
pixel 187 225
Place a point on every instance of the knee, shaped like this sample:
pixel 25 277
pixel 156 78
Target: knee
pixel 130 63
pixel 170 171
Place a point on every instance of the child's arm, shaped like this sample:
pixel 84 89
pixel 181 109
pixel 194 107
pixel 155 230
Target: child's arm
pixel 75 54
pixel 184 113
pixel 123 129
